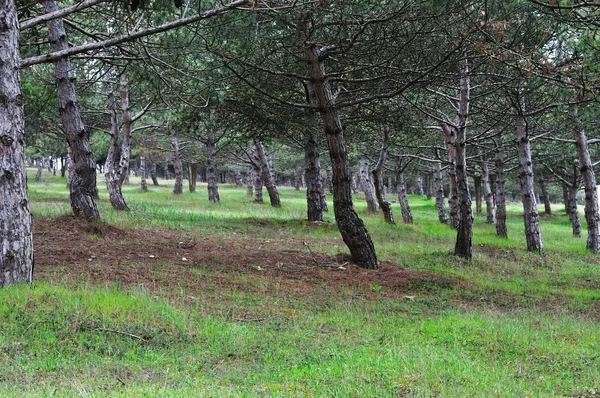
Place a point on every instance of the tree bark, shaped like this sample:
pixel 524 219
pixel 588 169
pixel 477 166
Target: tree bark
pixel 351 227
pixel 572 186
pixel 419 186
pixel 112 167
pixel 586 168
pixel 439 192
pixel 38 173
pixel 487 191
pixel 367 184
pixel 177 165
pixel 143 173
pixel 545 196
pixel 314 184
pixel 407 217
pixel 83 189
pixel 267 175
pixel 16 243
pixel 478 202
pixel 386 207
pixel 193 177
pixel 258 184
pixel 211 158
pixel 531 217
pixel 450 135
pixel 501 230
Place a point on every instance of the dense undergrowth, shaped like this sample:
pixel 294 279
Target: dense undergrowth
pixel 510 324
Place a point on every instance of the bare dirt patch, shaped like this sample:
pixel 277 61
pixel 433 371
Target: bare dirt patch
pixel 71 250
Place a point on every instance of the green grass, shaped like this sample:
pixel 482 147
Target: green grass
pixel 518 324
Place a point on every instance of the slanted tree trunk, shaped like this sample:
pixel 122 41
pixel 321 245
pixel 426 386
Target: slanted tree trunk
pixel 487 191
pixel 366 183
pixel 586 168
pixel 16 243
pixel 440 200
pixel 478 201
pixel 386 207
pixel 83 189
pixel 111 166
pixel 143 183
pixel 38 174
pixel 407 217
pixel 314 185
pixel 177 165
pixel 153 174
pixel 545 196
pixel 353 231
pixel 193 167
pixel 450 135
pixel 531 217
pixel 267 175
pixel 501 230
pixel 211 169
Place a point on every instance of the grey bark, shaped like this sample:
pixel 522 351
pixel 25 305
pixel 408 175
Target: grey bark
pixel 440 200
pixel 267 175
pixel 314 185
pixel 112 165
pixel 177 165
pixel 249 181
pixel 351 227
pixel 193 167
pixel 211 158
pixel 258 184
pixel 407 217
pixel 487 191
pixel 83 189
pixel 38 173
pixel 572 183
pixel 531 217
pixel 545 196
pixel 153 174
pixel 16 243
pixel 386 207
pixel 366 183
pixel 419 186
pixel 501 230
pixel 586 168
pixel 450 135
pixel 143 173
pixel 478 201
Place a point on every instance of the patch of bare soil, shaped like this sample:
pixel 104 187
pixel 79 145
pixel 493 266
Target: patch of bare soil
pixel 71 250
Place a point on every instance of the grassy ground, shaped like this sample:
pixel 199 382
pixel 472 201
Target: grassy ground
pixel 508 323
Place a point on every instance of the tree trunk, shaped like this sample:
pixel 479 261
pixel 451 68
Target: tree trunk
pixel 487 192
pixel 351 227
pixel 143 183
pixel 367 184
pixel 193 177
pixel 450 135
pixel 258 184
pixel 531 217
pixel 545 196
pixel 386 206
pixel 419 186
pixel 112 166
pixel 407 217
pixel 177 165
pixel 83 189
pixel 478 202
pixel 16 243
pixel 439 192
pixel 249 181
pixel 267 175
pixel 153 174
pixel 211 169
pixel 586 168
pixel 314 185
pixel 63 166
pixel 501 230
pixel 38 174
pixel 573 183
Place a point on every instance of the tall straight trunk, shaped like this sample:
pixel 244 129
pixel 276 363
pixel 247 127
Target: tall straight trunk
pixel 478 201
pixel 419 186
pixel 267 175
pixel 211 168
pixel 545 196
pixel 572 182
pixel 258 184
pixel 249 181
pixel 565 198
pixel 407 217
pixel 586 168
pixel 111 166
pixel 143 173
pixel 367 184
pixel 501 230
pixel 83 189
pixel 464 236
pixel 16 243
pixel 177 165
pixel 314 185
pixel 351 227
pixel 487 192
pixel 429 186
pixel 386 207
pixel 193 177
pixel 438 186
pixel 450 135
pixel 530 212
